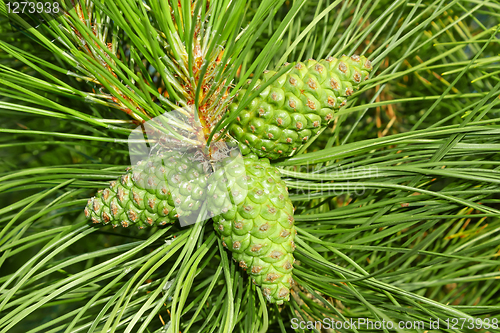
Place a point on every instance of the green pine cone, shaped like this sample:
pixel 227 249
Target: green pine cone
pixel 256 222
pixel 149 193
pixel 296 105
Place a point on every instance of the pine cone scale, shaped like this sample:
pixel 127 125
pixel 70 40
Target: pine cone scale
pixel 259 230
pixel 153 194
pixel 298 104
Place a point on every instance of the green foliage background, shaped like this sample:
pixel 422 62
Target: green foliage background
pixel 421 140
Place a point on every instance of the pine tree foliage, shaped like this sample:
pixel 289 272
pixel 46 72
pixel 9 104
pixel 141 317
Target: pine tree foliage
pixel 396 200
